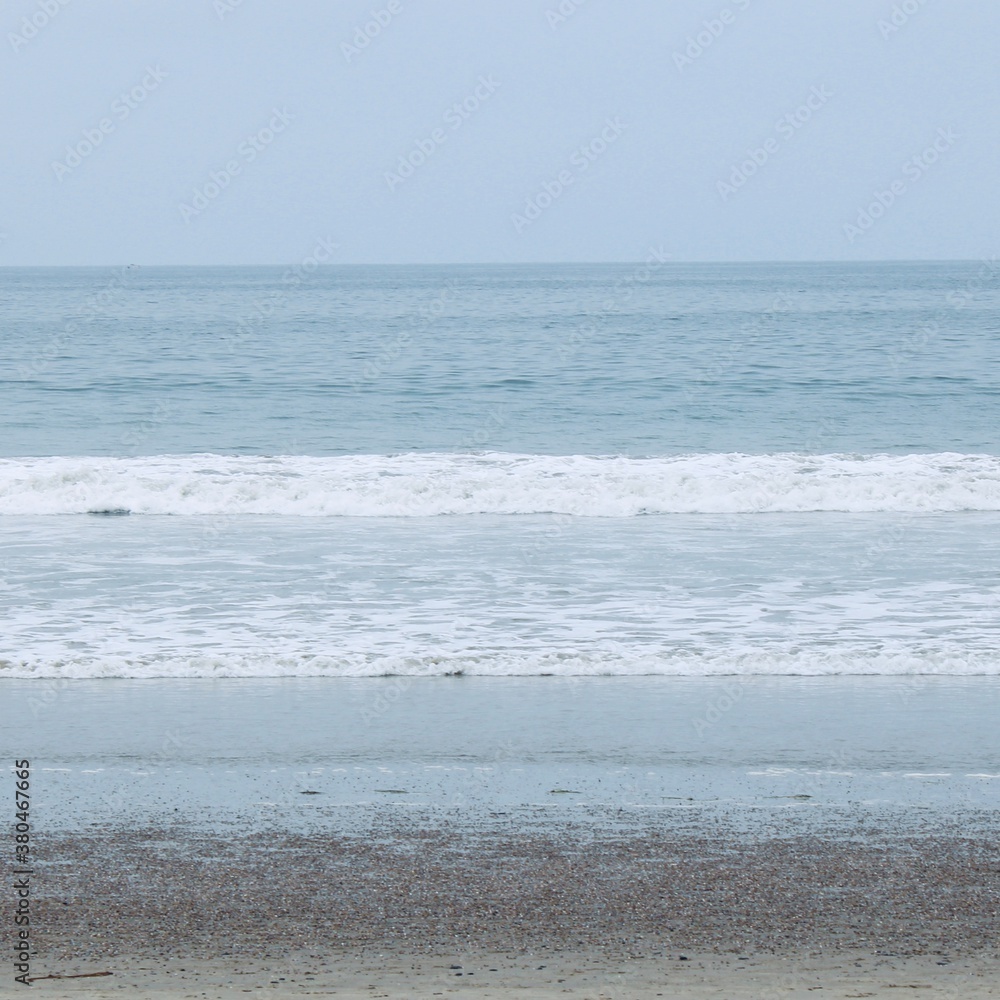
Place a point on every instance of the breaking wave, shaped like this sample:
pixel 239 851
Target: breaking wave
pixel 429 484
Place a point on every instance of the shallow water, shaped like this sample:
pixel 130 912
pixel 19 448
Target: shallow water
pixel 209 753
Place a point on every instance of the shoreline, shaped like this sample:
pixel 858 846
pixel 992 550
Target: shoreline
pixel 601 834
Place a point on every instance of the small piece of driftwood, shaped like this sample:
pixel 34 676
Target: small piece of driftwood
pixel 73 975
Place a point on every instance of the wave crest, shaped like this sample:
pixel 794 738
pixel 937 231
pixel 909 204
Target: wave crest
pixel 430 484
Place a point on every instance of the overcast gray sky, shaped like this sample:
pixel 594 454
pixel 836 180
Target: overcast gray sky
pixel 245 131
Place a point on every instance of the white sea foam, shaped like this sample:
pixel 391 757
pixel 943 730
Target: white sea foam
pixel 737 663
pixel 427 484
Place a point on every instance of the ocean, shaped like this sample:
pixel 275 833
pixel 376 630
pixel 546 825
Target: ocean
pixel 576 470
pixel 633 546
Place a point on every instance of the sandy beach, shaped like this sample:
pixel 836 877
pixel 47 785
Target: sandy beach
pixel 586 976
pixel 414 910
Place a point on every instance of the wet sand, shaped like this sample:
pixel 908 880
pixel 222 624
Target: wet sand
pixel 583 976
pixel 415 910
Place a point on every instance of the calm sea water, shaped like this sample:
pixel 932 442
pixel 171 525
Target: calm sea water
pixel 775 755
pixel 601 469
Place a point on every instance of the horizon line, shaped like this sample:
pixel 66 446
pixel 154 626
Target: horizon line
pixel 330 265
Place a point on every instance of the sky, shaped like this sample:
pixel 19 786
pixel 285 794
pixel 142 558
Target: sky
pixel 160 132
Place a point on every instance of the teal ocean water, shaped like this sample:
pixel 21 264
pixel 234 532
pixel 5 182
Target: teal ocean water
pixel 590 469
